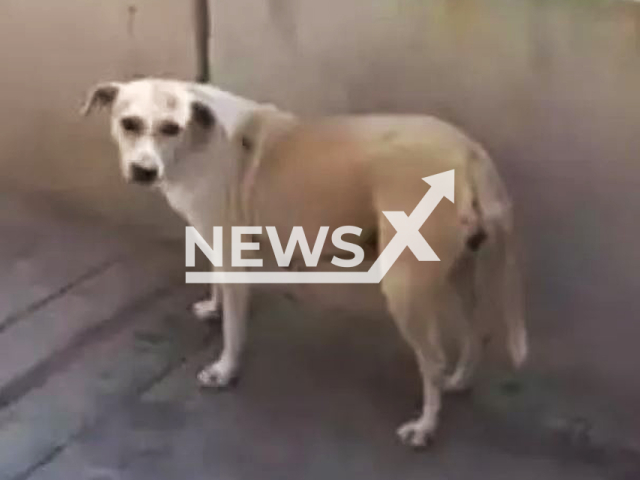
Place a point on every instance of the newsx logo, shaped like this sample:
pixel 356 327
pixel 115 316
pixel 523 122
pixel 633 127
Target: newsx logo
pixel 283 256
pixel 407 236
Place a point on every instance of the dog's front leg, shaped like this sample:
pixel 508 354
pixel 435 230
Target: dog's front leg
pixel 234 329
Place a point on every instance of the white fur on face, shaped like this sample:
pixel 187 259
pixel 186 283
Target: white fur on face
pixel 155 108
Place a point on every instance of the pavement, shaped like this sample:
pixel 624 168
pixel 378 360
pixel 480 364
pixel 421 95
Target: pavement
pixel 98 356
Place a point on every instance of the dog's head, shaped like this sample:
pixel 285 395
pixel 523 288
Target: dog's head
pixel 159 123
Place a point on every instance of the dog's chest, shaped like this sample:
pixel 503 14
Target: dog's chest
pixel 196 205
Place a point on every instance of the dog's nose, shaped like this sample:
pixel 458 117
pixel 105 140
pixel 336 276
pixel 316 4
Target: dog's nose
pixel 143 175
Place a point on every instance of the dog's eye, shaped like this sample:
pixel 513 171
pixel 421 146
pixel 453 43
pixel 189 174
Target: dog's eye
pixel 131 124
pixel 170 129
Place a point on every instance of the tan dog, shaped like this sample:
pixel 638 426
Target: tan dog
pixel 223 160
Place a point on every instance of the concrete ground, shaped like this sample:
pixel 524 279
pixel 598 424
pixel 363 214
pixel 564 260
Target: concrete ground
pixel 98 354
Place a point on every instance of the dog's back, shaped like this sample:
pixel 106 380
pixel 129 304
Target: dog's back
pixel 347 170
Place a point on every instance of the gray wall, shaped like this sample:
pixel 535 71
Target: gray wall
pixel 550 87
pixel 51 53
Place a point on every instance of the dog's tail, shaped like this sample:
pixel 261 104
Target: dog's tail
pixel 498 281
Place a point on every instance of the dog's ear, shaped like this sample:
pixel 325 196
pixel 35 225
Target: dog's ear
pixel 102 95
pixel 202 115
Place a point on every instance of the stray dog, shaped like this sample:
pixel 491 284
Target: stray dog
pixel 222 160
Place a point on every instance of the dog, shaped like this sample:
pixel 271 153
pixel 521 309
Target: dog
pixel 223 160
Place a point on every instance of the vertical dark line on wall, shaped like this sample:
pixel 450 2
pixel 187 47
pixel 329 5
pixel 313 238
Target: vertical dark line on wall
pixel 202 29
pixel 132 10
pixel 282 15
pixel 132 59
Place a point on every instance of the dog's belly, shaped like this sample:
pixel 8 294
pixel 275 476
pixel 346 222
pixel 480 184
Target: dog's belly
pixel 312 209
pixel 311 206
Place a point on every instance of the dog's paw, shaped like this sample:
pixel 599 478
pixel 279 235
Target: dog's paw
pixel 207 309
pixel 416 434
pixel 218 375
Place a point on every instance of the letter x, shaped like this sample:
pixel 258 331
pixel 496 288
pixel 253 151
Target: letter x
pixel 408 233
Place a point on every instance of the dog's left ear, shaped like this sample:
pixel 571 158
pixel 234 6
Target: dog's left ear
pixel 202 115
pixel 102 95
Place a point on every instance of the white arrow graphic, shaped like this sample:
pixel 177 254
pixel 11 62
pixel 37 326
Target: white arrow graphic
pixel 408 228
pixel 407 236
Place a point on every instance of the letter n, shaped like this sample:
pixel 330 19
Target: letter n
pixel 193 238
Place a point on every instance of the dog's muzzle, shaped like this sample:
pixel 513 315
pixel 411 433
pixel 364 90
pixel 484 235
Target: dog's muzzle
pixel 142 175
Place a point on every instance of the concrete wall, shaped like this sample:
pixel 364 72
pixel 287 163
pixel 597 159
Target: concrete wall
pixel 552 88
pixel 51 53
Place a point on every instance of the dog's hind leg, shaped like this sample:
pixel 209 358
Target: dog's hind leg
pixel 413 305
pixel 470 350
pixel 460 307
